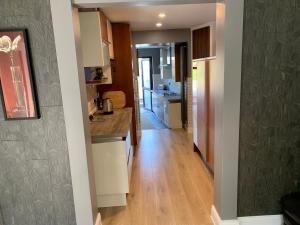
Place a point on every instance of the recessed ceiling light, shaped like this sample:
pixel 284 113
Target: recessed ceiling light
pixel 161 15
pixel 158 24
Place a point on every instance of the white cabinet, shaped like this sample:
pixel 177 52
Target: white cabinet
pixel 95 49
pixel 112 169
pixel 172 115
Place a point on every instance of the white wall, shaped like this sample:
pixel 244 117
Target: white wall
pixel 227 85
pixel 67 40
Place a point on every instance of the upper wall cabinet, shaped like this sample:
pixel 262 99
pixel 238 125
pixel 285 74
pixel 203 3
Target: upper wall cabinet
pixel 201 43
pixel 204 41
pixel 110 40
pixel 95 42
pixel 103 26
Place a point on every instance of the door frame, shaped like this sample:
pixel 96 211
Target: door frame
pixel 151 79
pixel 73 90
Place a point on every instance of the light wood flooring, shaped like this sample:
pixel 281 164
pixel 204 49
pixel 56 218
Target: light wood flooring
pixel 169 186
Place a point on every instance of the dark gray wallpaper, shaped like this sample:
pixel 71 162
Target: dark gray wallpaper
pixel 269 164
pixel 155 54
pixel 35 181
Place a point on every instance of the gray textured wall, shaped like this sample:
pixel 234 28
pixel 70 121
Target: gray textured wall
pixel 155 54
pixel 35 181
pixel 269 164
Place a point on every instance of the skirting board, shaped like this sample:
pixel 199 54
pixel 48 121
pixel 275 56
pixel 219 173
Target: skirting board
pixel 216 219
pixel 250 220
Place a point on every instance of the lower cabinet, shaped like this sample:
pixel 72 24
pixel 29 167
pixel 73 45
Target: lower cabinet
pixel 172 115
pixel 112 170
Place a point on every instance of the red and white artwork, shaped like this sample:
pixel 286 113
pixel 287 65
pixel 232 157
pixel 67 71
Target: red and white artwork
pixel 17 92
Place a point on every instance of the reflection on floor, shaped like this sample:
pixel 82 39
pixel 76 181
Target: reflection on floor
pixel 170 185
pixel 149 120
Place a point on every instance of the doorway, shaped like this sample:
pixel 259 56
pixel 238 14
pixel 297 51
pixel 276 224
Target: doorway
pixel 162 84
pixel 66 52
pixel 149 120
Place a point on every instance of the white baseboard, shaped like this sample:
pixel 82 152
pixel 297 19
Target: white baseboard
pixel 261 220
pixel 249 220
pixel 216 219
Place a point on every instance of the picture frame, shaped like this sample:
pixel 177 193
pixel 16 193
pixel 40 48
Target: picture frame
pixel 17 84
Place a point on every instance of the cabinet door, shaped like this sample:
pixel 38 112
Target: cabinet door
pixel 201 43
pixel 103 25
pixel 106 57
pixel 90 39
pixel 110 40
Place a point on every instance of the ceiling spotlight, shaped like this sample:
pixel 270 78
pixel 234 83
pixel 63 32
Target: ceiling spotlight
pixel 161 15
pixel 159 24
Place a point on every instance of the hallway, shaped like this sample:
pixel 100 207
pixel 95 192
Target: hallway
pixel 170 185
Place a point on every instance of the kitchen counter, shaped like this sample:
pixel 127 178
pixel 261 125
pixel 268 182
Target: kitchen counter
pixel 114 127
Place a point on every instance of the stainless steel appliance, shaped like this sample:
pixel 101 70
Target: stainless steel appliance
pixel 107 106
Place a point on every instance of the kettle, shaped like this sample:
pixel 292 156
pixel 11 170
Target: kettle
pixel 107 106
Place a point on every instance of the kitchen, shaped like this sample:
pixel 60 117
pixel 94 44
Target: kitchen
pixel 113 59
pixel 162 72
pixel 111 111
pixel 112 103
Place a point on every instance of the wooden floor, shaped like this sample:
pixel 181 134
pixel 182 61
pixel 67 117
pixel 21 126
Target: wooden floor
pixel 170 185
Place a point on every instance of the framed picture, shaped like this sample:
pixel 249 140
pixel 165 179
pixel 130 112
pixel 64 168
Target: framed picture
pixel 17 86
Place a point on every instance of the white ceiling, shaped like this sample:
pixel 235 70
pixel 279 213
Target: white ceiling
pixel 177 16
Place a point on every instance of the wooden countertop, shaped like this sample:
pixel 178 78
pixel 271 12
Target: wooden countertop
pixel 106 128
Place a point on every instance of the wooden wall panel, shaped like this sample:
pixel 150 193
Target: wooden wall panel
pixel 123 72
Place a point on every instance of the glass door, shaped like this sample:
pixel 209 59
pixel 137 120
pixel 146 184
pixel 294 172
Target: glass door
pixel 145 71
